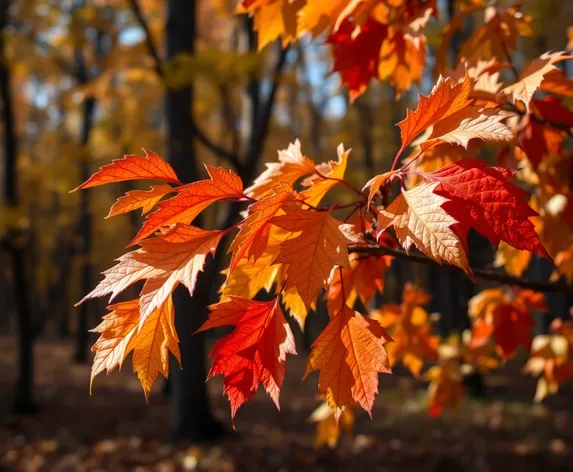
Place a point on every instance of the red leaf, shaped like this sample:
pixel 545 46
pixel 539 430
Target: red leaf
pixel 255 352
pixel 483 198
pixel 356 57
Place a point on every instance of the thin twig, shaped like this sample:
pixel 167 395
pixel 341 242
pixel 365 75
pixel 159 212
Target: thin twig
pixel 546 287
pixel 232 157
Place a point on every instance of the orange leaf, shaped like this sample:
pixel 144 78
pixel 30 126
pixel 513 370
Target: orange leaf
pixel 349 354
pixel 291 166
pixel 497 35
pixel 253 236
pixel 556 82
pixel 174 257
pixel 444 100
pixel 532 77
pixel 133 167
pixel 411 329
pixel 328 429
pixel 419 219
pixel 446 387
pixel 151 344
pixel 274 19
pixel 255 352
pixel 331 174
pixel 191 200
pixel 145 199
pixel 512 260
pixel 376 182
pixel 310 256
pixel 362 280
pixel 116 331
pixel 470 123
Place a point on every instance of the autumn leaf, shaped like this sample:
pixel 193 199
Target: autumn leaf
pixel 253 237
pixel 444 100
pixel 250 277
pixel 410 327
pixel 116 331
pixel 446 387
pixel 177 256
pixel 254 352
pixel 119 335
pixel 350 354
pixel 532 77
pixel 377 182
pixel 152 344
pixel 144 199
pixel 556 82
pixel 550 359
pixel 507 318
pixel 403 55
pixel 512 260
pixel 362 280
pixel 419 219
pixel 481 197
pixel 472 122
pixel 310 256
pixel 564 265
pixel 191 200
pixel 292 165
pixel 392 49
pixel 327 175
pixel 356 56
pixel 328 429
pixel 498 34
pixel 276 19
pixel 132 167
pixel 435 157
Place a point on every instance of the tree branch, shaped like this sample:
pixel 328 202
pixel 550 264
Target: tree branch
pixel 232 157
pixel 546 287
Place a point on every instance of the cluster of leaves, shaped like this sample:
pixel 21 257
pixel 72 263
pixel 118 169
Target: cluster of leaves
pixel 369 38
pixel 296 250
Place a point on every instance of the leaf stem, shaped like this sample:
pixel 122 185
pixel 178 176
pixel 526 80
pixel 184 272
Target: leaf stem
pixel 398 154
pixel 341 181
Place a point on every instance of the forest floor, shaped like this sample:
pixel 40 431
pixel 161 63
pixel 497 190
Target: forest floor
pixel 114 429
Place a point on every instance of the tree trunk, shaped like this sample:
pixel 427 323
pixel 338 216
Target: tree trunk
pixel 23 399
pixel 85 223
pixel 192 418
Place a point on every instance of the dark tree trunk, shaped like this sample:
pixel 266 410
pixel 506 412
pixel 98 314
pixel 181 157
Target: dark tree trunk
pixel 23 398
pixel 85 223
pixel 192 418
